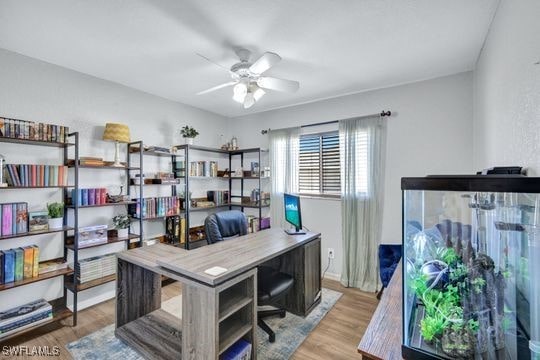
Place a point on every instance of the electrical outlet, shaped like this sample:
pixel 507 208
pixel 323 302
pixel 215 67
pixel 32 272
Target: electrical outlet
pixel 330 253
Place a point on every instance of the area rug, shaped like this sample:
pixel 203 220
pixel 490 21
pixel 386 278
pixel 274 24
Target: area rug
pixel 291 331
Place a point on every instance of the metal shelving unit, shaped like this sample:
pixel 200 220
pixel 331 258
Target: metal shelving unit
pixel 187 152
pixel 71 243
pixel 60 309
pixel 137 149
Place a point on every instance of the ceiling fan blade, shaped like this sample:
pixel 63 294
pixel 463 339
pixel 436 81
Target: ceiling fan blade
pixel 265 62
pixel 249 100
pixel 215 63
pixel 230 83
pixel 278 84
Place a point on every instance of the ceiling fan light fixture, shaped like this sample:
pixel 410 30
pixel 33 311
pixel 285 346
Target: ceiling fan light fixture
pixel 249 101
pixel 239 92
pixel 257 94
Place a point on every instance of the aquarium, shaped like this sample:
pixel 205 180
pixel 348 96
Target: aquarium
pixel 471 267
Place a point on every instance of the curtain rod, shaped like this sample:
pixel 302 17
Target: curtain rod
pixel 381 114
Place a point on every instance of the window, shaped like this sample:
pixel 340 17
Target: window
pixel 319 164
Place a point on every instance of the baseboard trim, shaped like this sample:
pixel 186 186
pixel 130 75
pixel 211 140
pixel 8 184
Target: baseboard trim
pixel 332 276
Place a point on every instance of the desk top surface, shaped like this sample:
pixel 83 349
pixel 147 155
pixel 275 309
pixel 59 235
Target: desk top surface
pixel 382 339
pixel 236 255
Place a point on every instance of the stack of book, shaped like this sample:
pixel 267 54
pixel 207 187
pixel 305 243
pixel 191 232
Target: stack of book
pixel 19 264
pixel 155 207
pixel 52 265
pixel 89 197
pixel 29 130
pixel 203 168
pixel 95 267
pixel 175 230
pixel 24 316
pixel 253 224
pixel 13 218
pixel 219 197
pixel 36 175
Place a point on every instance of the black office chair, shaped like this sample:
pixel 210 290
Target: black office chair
pixel 272 285
pixel 225 225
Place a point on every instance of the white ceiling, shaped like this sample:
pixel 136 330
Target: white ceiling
pixel 331 47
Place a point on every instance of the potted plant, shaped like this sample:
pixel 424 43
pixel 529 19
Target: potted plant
pixel 188 133
pixel 56 215
pixel 121 224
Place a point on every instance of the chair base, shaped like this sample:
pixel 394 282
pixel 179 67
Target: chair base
pixel 261 314
pixel 379 294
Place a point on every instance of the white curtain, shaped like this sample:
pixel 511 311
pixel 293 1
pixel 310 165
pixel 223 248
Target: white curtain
pixel 362 142
pixel 284 149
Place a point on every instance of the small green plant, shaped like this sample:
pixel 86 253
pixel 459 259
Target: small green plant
pixel 56 210
pixel 478 283
pixel 188 132
pixel 458 272
pixel 473 325
pixel 448 255
pixel 121 221
pixel 432 326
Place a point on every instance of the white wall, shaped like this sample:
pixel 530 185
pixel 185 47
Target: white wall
pixel 430 132
pixel 34 90
pixel 507 90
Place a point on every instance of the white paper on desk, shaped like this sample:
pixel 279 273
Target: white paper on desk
pixel 215 271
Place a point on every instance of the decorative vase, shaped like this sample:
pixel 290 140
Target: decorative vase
pixel 56 223
pixel 122 233
pixel 189 141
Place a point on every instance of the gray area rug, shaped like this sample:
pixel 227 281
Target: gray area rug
pixel 290 333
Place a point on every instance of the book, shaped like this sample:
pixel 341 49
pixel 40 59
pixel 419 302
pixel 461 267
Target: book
pixel 92 235
pixel 9 266
pixel 1 267
pixel 38 220
pixel 91 196
pixel 28 262
pixel 6 219
pixel 25 323
pixel 19 312
pixel 35 262
pixel 19 264
pixel 51 265
pixel 84 201
pixel 21 218
pixel 240 350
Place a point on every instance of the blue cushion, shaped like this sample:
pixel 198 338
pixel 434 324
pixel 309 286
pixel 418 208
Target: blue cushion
pixel 389 256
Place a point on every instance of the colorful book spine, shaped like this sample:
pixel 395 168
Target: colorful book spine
pixel 9 266
pixel 84 201
pixel 2 257
pixel 91 196
pixel 6 219
pixel 19 264
pixel 28 264
pixel 35 262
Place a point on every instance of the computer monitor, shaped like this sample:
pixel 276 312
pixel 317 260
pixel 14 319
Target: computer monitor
pixel 292 213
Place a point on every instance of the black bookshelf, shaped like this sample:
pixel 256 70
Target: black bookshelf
pixel 60 309
pixel 185 151
pixel 71 243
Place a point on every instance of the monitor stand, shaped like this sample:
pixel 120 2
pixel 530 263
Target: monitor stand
pixel 295 232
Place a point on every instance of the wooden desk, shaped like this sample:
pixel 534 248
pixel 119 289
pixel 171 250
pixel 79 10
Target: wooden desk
pixel 216 310
pixel 382 339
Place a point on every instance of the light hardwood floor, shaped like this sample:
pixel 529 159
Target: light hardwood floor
pixel 336 336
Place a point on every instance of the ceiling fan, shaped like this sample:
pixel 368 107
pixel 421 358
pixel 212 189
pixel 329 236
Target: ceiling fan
pixel 248 80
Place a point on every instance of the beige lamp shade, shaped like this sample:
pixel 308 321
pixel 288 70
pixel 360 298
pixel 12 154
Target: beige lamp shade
pixel 116 132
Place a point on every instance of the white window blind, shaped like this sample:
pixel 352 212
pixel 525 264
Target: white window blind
pixel 319 164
